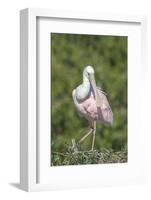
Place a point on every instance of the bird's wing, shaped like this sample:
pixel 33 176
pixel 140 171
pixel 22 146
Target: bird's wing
pixel 104 109
pixel 99 88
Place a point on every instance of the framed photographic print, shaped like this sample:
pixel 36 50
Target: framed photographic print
pixel 81 77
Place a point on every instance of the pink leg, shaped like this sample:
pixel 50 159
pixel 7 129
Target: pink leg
pixel 85 136
pixel 94 132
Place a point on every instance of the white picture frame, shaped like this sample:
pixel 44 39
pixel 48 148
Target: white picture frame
pixel 31 167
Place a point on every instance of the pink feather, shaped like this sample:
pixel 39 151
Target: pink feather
pixel 92 112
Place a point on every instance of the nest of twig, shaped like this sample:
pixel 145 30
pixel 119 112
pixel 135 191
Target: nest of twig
pixel 74 156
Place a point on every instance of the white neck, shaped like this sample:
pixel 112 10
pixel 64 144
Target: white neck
pixel 83 90
pixel 86 82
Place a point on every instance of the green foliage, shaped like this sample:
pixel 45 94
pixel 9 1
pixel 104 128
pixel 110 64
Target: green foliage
pixel 70 54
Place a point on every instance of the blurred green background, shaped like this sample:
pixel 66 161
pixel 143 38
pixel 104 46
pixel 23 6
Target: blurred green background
pixel 70 53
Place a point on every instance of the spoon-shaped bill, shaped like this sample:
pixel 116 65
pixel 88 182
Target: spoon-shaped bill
pixel 93 84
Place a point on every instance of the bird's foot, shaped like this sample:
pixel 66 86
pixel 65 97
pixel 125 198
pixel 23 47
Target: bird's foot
pixel 75 146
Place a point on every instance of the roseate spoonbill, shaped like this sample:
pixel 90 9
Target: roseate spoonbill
pixel 91 103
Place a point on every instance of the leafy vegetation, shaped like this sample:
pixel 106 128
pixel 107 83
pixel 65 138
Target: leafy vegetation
pixel 70 53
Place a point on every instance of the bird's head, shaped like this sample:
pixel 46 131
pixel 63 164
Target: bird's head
pixel 88 74
pixel 88 71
